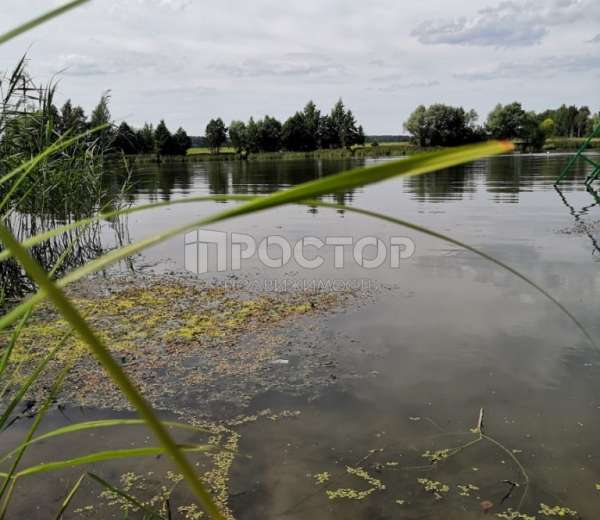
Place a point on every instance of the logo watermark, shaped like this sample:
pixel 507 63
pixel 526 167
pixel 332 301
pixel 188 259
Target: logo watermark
pixel 218 251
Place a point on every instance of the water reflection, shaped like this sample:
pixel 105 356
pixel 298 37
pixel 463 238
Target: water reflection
pixel 581 226
pixel 504 177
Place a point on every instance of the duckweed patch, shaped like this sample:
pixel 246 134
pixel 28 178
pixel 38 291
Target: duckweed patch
pixel 185 343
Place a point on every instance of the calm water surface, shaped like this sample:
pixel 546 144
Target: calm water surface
pixel 448 333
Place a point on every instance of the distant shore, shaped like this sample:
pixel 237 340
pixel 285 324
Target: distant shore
pixel 398 149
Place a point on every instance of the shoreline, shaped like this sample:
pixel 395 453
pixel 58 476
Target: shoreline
pixel 552 146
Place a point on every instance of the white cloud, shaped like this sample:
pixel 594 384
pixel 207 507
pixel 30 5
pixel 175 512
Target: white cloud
pixel 509 24
pixel 188 61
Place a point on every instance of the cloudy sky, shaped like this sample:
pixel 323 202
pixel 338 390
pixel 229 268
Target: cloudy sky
pixel 187 61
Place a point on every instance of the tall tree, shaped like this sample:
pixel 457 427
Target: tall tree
pixel 126 139
pixel 238 136
pixel 216 134
pixel 163 139
pixel 506 122
pixel 312 118
pixel 269 134
pixel 145 139
pixel 101 116
pixel 181 142
pixel 252 136
pixel 442 125
pixel 72 118
pixel 295 135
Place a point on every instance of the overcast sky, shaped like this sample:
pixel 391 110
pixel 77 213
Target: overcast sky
pixel 187 61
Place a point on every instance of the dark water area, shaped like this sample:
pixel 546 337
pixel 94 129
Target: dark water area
pixel 446 334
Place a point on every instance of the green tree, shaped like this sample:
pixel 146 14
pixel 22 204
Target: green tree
pixel 101 116
pixel 328 135
pixel 532 132
pixel 344 123
pixel 581 122
pixel 216 134
pixel 181 142
pixel 506 122
pixel 252 139
pixel 547 126
pixel 312 118
pixel 145 139
pixel 295 135
pixel 163 139
pixel 125 139
pixel 416 125
pixel 442 125
pixel 238 136
pixel 72 118
pixel 269 134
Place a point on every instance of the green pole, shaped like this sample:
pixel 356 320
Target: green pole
pixel 579 153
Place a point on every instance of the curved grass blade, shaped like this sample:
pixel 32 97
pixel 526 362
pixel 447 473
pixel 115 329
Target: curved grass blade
pixel 103 456
pixel 94 425
pixel 17 332
pixel 31 379
pixel 119 254
pixel 7 498
pixel 20 451
pixel 67 501
pixel 416 165
pixel 115 371
pixel 40 20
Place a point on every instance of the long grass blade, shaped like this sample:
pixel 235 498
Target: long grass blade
pixel 117 374
pixel 36 422
pixel 31 379
pixel 68 499
pixel 40 20
pixel 94 425
pixel 103 456
pixel 119 254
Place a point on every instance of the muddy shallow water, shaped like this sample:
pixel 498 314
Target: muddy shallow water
pixel 395 379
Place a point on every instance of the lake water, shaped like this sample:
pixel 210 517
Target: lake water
pixel 442 336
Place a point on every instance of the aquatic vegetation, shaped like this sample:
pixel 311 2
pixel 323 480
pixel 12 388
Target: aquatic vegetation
pixel 556 511
pixel 509 514
pixel 438 455
pixel 466 489
pixel 321 478
pixel 434 487
pixel 355 494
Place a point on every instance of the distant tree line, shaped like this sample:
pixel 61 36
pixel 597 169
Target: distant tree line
pixel 443 125
pixel 305 131
pixel 124 138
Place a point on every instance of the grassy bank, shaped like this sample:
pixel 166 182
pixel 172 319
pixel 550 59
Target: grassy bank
pixel 569 143
pixel 383 150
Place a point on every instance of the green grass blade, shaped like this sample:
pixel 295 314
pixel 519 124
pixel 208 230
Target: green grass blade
pixel 11 345
pixel 114 370
pixel 119 254
pixel 7 498
pixel 478 252
pixel 61 143
pixel 126 496
pixel 103 456
pixel 70 495
pixel 94 425
pixel 31 379
pixel 40 20
pixel 20 451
